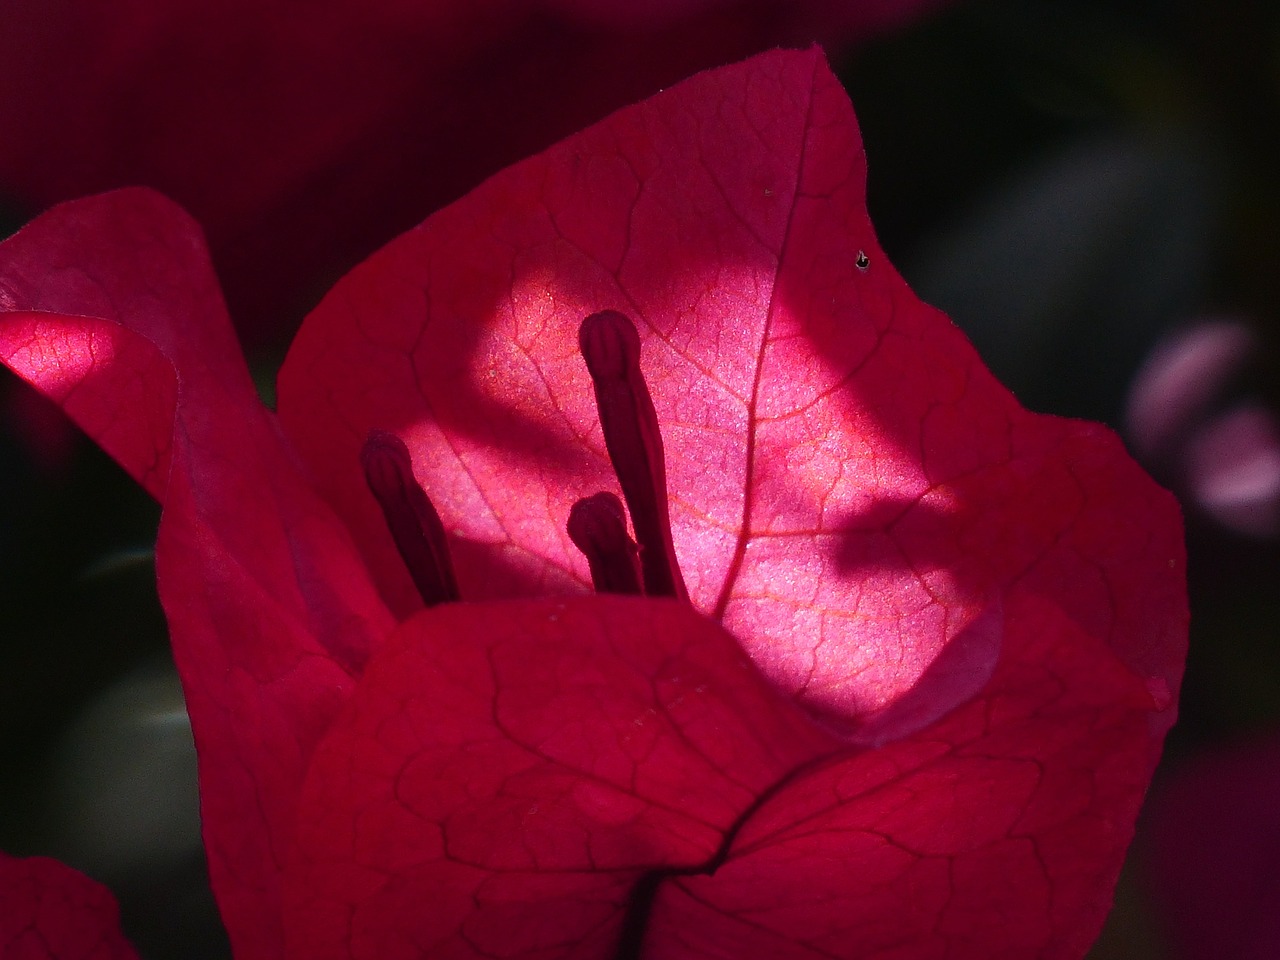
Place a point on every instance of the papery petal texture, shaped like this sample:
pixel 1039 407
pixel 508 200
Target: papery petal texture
pixel 610 778
pixel 523 782
pixel 851 491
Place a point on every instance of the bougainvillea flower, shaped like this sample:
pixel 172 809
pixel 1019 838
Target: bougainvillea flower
pixel 885 674
pixel 305 139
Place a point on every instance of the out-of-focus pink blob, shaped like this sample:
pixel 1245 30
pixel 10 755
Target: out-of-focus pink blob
pixel 1223 455
pixel 1233 470
pixel 1180 379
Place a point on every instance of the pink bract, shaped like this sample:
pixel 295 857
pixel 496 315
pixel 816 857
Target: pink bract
pixel 933 645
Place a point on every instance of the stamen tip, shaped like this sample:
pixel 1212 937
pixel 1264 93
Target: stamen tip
pixel 598 527
pixel 386 461
pixel 383 443
pixel 610 345
pixel 595 519
pixel 411 518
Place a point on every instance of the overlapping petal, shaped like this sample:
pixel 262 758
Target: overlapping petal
pixel 110 306
pixel 601 778
pixel 525 780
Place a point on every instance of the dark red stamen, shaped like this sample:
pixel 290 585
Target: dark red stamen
pixel 414 524
pixel 611 347
pixel 598 527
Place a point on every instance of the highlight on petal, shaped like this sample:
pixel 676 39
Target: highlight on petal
pixel 50 912
pixel 851 492
pixel 460 337
pixel 103 305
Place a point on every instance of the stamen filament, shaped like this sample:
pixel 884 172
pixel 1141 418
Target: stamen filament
pixel 611 348
pixel 412 519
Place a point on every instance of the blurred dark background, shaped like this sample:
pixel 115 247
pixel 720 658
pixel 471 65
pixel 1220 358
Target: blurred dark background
pixel 1074 182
